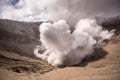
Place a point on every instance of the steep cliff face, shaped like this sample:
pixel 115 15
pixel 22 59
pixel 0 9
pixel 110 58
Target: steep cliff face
pixel 19 37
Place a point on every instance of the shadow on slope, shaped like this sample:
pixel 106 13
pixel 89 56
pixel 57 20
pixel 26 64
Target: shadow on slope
pixel 98 54
pixel 20 64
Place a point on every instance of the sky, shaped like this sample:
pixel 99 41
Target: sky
pixel 70 10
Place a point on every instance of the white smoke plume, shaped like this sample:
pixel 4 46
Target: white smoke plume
pixel 64 42
pixel 63 47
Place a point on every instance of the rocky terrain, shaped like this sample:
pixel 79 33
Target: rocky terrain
pixel 17 61
pixel 19 37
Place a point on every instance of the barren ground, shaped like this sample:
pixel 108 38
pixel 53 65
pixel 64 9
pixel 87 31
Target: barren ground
pixel 103 65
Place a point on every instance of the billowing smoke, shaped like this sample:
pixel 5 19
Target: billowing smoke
pixel 63 47
pixel 64 42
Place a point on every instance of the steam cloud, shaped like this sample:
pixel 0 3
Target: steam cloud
pixel 64 42
pixel 64 48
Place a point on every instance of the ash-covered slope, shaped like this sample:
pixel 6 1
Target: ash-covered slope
pixel 19 37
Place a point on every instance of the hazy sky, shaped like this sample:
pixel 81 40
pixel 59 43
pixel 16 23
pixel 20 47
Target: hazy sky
pixel 31 10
